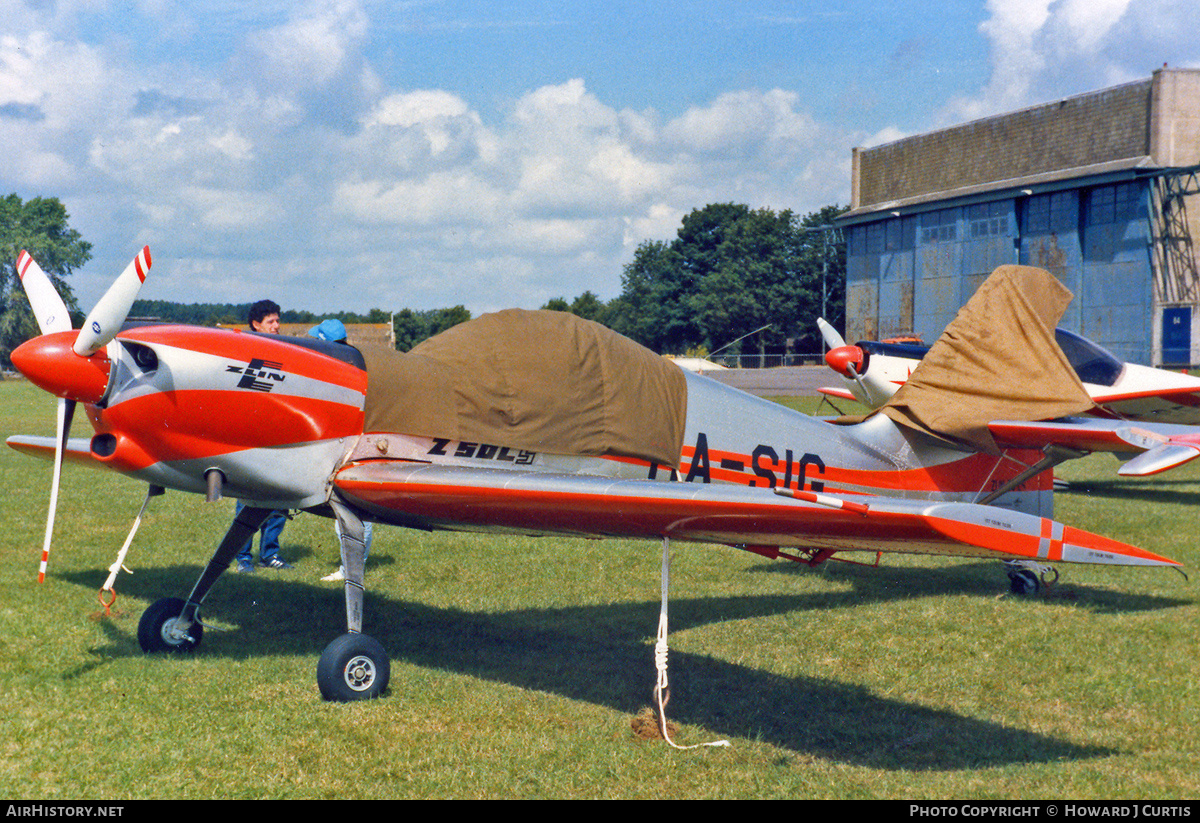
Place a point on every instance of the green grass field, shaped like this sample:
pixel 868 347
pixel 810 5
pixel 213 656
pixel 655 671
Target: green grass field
pixel 519 664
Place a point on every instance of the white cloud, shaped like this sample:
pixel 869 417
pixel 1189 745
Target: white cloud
pixel 746 124
pixel 313 48
pixel 1085 23
pixel 1043 50
pixel 423 106
pixel 1013 30
pixel 233 145
pixel 888 134
pixel 291 166
pixel 443 198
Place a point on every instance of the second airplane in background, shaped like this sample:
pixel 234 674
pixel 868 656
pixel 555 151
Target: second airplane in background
pixel 873 371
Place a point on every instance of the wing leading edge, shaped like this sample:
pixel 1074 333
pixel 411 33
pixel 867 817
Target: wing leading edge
pixel 472 499
pixel 77 451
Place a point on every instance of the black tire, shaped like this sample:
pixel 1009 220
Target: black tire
pixel 1023 582
pixel 353 667
pixel 152 635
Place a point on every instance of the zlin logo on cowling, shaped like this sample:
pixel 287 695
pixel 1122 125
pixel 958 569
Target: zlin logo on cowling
pixel 257 375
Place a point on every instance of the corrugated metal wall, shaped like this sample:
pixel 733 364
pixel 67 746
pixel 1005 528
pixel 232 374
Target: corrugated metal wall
pixel 911 275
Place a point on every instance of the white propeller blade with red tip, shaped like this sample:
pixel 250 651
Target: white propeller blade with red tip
pixel 105 319
pixel 102 325
pixel 48 307
pixel 52 316
pixel 66 410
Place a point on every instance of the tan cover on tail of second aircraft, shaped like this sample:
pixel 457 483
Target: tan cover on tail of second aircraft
pixel 537 380
pixel 997 360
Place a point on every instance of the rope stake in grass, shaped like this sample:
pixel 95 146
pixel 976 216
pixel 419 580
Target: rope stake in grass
pixel 662 690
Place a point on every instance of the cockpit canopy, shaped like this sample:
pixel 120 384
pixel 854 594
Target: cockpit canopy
pixel 1092 362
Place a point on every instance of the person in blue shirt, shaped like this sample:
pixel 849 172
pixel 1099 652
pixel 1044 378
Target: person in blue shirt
pixel 334 331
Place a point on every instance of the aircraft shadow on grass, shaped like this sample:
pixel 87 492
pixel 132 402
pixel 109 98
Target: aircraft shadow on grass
pixel 1159 492
pixel 601 654
pixel 984 579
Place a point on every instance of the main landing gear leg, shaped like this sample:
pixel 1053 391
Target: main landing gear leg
pixel 354 666
pixel 170 624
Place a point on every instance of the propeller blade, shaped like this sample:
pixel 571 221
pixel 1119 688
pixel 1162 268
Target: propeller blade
pixel 66 411
pixel 47 305
pixel 106 317
pixel 832 339
pixel 861 385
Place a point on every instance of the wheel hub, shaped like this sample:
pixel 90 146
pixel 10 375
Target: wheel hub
pixel 173 633
pixel 360 673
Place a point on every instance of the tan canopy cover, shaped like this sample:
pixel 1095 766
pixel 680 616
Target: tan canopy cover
pixel 539 380
pixel 997 360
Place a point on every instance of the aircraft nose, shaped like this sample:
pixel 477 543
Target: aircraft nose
pixel 843 358
pixel 49 363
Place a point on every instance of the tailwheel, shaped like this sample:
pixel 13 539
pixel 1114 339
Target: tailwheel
pixel 353 667
pixel 1023 581
pixel 1027 576
pixel 161 630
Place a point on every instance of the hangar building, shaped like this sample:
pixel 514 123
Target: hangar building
pixel 1100 189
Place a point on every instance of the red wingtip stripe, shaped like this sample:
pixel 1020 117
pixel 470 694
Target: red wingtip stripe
pixel 23 261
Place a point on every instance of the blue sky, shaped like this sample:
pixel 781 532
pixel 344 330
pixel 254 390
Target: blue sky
pixel 352 154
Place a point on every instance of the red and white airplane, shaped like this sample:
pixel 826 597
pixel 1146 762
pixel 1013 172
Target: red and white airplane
pixel 517 422
pixel 872 372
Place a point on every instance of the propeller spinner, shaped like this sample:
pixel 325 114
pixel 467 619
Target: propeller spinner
pixel 71 365
pixel 848 361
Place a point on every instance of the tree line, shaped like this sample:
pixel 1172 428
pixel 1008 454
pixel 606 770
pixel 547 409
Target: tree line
pixel 737 279
pixel 733 279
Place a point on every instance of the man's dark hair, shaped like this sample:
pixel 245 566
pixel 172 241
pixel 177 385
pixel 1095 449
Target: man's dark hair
pixel 261 309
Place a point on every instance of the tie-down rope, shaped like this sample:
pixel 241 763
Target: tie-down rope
pixel 662 691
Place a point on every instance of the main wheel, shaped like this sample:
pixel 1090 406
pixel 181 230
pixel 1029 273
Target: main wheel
pixel 353 667
pixel 156 629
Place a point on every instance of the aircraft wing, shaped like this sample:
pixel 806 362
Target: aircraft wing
pixel 78 449
pixel 465 498
pixel 1157 446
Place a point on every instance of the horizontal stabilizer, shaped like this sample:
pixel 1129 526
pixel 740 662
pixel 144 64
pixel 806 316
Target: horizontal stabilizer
pixel 1159 459
pixel 1091 434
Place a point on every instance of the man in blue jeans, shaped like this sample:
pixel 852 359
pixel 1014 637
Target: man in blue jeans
pixel 268 544
pixel 264 317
